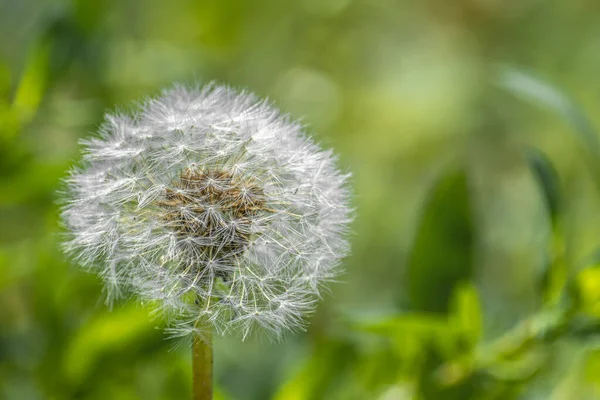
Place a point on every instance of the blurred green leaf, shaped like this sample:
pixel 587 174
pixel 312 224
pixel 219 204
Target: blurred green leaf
pixel 520 369
pixel 554 276
pixel 547 178
pixel 33 83
pixel 467 314
pixel 416 337
pixel 106 334
pixel 314 378
pixel 531 87
pixel 588 284
pixel 412 324
pixel 442 252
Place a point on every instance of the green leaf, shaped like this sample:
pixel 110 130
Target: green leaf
pixel 547 178
pixel 32 85
pixel 415 336
pixel 555 271
pixel 315 377
pixel 441 256
pixel 106 334
pixel 394 325
pixel 531 87
pixel 467 315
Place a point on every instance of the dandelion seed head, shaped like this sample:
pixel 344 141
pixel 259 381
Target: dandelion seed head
pixel 210 204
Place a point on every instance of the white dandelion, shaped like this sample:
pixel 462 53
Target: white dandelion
pixel 212 205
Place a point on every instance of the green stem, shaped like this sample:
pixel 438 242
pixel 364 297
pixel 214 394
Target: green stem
pixel 202 365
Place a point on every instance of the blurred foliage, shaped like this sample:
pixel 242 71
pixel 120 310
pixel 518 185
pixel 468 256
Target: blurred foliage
pixel 469 125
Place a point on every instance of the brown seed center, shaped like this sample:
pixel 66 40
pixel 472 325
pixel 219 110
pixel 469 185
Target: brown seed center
pixel 212 213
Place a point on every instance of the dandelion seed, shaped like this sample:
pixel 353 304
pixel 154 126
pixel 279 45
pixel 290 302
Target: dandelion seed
pixel 212 205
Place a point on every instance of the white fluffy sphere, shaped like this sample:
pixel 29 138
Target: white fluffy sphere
pixel 212 205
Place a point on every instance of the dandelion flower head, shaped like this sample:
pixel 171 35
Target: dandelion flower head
pixel 210 204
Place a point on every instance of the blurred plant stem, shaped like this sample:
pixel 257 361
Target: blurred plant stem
pixel 202 363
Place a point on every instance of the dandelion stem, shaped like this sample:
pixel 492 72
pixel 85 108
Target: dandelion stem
pixel 202 364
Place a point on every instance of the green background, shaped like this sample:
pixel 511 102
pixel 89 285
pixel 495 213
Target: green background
pixel 468 126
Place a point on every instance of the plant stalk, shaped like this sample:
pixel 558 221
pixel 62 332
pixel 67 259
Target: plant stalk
pixel 202 365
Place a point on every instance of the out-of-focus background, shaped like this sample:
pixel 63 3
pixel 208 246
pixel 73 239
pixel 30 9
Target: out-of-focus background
pixel 469 126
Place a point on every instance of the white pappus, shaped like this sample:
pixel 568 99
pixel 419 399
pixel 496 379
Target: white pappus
pixel 212 205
